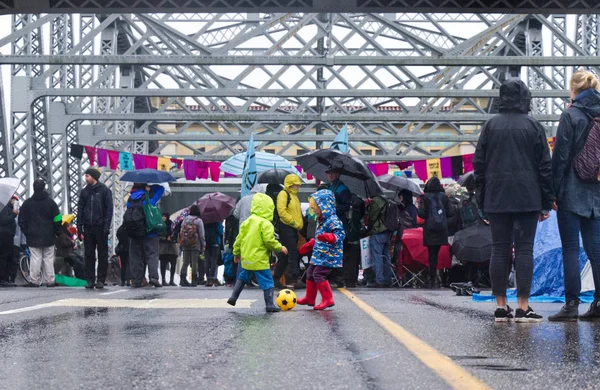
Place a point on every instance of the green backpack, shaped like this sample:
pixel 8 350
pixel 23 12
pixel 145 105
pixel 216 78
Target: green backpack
pixel 154 222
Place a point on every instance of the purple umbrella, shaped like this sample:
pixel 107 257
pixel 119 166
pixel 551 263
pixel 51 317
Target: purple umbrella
pixel 215 207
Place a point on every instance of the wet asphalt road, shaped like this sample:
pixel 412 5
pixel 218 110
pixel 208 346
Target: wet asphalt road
pixel 237 348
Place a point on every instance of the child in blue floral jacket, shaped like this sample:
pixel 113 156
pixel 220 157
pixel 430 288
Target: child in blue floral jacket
pixel 327 250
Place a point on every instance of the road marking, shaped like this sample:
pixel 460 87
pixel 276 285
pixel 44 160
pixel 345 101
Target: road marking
pixel 139 304
pixel 25 309
pixel 452 373
pixel 154 303
pixel 113 292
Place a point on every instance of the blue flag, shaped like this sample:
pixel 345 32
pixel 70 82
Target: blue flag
pixel 126 161
pixel 249 175
pixel 341 140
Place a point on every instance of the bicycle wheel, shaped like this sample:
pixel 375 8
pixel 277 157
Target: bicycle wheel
pixel 24 266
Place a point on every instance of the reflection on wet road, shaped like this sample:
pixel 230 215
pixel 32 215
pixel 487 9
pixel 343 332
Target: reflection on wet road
pixel 179 338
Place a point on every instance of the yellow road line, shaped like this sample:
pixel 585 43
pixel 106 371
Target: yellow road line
pixel 456 376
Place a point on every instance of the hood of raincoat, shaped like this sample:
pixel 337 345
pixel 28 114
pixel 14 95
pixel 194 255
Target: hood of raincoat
pixel 262 206
pixel 259 189
pixel 291 180
pixel 326 202
pixel 434 185
pixel 514 96
pixel 589 102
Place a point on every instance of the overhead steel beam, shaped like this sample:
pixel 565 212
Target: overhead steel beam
pixel 247 93
pixel 181 6
pixel 285 138
pixel 299 60
pixel 289 118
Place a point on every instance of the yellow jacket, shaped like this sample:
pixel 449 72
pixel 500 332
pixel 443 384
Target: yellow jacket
pixel 290 212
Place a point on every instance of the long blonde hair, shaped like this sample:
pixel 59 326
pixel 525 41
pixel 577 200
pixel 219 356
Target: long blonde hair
pixel 583 80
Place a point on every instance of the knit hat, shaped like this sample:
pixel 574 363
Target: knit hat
pixel 93 172
pixel 39 185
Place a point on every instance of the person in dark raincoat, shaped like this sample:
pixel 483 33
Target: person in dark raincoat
pixel 513 176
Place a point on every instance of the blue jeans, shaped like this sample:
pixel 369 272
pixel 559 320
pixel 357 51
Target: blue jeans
pixel 569 225
pixel 380 252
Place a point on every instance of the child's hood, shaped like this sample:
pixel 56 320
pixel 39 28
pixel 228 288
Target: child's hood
pixel 262 206
pixel 326 202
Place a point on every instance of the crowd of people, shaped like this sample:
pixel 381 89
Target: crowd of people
pixel 517 183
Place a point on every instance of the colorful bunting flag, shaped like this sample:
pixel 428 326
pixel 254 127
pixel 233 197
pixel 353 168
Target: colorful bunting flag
pixel 189 169
pixel 102 157
pixel 126 161
pixel 113 159
pixel 164 164
pixel 91 153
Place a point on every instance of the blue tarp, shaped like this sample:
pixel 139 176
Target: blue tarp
pixel 547 284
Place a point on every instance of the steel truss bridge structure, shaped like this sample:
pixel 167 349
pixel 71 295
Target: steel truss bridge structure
pixel 290 75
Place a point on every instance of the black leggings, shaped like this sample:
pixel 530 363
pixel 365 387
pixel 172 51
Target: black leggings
pixel 164 261
pixel 509 228
pixel 434 251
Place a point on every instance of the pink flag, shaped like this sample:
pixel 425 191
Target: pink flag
pixel 227 174
pixel 151 162
pixel 215 170
pixel 309 176
pixel 404 164
pixel 177 162
pixel 299 168
pixel 189 169
pixel 102 157
pixel 113 158
pixel 91 153
pixel 446 164
pixel 139 161
pixel 201 169
pixel 381 169
pixel 421 169
pixel 468 162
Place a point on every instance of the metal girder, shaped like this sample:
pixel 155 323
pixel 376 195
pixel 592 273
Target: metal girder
pixel 280 93
pixel 149 6
pixel 289 118
pixel 298 60
pixel 277 138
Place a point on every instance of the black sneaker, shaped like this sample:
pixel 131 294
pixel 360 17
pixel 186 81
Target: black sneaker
pixel 155 283
pixel 527 316
pixel 503 315
pixel 89 285
pixel 99 285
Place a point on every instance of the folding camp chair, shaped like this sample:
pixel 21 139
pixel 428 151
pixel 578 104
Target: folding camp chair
pixel 413 278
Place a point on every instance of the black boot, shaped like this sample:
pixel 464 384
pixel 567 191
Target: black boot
pixel 237 289
pixel 90 285
pixel 593 312
pixel 569 312
pixel 270 306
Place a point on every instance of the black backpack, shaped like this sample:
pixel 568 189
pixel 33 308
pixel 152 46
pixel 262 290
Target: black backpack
pixel 391 217
pixel 436 220
pixel 134 220
pixel 276 219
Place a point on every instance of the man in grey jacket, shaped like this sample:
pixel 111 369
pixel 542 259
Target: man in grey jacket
pixel 242 208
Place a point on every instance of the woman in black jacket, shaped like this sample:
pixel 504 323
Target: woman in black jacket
pixel 578 202
pixel 513 177
pixel 434 208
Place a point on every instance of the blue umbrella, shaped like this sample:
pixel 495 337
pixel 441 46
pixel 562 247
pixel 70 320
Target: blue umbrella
pixel 148 176
pixel 264 162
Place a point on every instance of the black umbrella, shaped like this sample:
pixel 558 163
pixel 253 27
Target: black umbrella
pixel 273 176
pixel 467 180
pixel 398 183
pixel 354 173
pixel 473 244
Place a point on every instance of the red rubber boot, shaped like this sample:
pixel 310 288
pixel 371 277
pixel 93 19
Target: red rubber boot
pixel 311 294
pixel 326 295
